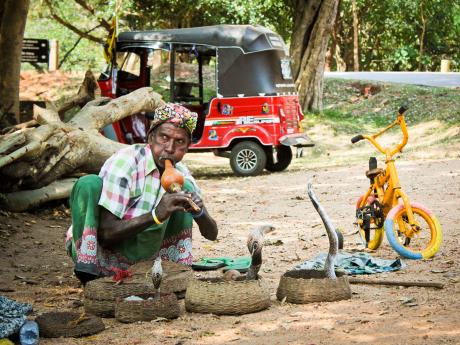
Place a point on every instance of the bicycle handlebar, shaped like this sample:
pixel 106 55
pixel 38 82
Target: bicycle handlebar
pixel 402 110
pixel 399 121
pixel 357 138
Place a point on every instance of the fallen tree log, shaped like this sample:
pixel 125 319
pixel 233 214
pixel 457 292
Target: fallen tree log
pixel 33 158
pixel 25 200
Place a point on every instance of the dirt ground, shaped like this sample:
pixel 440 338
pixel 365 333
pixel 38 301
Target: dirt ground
pixel 34 267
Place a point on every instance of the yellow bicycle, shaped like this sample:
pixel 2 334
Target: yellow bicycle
pixel 411 229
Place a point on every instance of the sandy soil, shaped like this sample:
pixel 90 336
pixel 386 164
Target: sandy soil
pixel 35 269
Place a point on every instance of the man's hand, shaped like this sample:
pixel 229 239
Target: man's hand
pixel 172 202
pixel 198 201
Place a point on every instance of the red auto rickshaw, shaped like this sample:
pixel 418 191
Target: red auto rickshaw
pixel 236 77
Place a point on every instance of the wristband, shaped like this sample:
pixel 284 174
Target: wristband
pixel 155 218
pixel 198 215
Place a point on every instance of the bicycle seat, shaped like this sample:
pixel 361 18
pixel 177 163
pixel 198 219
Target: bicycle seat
pixel 374 173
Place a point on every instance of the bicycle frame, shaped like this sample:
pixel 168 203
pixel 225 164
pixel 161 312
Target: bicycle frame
pixel 389 196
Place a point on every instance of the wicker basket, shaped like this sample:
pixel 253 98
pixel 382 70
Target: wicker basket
pixel 306 286
pixel 101 294
pixel 68 324
pixel 222 297
pixel 166 306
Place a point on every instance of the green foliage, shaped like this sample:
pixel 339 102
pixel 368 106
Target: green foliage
pixel 146 15
pixel 391 33
pixel 404 58
pixel 150 14
pixel 87 54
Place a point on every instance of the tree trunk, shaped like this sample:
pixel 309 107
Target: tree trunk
pixel 312 27
pixel 355 37
pixel 337 42
pixel 32 158
pixel 421 38
pixel 13 22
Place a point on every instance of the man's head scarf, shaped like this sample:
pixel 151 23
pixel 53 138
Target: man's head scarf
pixel 175 114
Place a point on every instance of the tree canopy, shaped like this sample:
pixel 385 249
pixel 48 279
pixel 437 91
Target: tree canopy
pixel 393 34
pixel 401 34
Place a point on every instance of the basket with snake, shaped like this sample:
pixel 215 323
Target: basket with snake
pixel 101 294
pixel 233 294
pixel 306 286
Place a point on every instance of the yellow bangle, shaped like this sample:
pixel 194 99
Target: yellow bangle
pixel 155 218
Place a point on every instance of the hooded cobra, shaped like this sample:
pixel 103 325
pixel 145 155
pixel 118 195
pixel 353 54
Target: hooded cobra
pixel 157 275
pixel 255 243
pixel 331 233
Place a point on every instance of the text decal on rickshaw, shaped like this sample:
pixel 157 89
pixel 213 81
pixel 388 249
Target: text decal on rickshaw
pixel 248 120
pixel 285 85
pixel 243 120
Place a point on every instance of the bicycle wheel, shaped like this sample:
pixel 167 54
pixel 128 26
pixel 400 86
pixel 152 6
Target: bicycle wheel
pixel 422 244
pixel 370 212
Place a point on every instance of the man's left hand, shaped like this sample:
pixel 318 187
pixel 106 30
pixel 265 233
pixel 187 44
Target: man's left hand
pixel 198 201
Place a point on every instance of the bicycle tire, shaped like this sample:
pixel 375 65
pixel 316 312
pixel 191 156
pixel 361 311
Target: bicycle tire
pixel 431 223
pixel 377 239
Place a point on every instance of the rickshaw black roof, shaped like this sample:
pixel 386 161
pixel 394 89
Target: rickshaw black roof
pixel 249 38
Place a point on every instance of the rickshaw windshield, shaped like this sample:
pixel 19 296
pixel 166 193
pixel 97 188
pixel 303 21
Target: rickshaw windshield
pixel 129 65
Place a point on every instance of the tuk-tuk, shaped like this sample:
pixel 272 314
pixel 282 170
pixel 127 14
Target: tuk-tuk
pixel 236 77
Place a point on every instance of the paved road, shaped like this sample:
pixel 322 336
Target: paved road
pixel 451 79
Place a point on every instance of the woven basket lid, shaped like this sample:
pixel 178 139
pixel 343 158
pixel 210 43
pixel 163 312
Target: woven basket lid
pixel 68 324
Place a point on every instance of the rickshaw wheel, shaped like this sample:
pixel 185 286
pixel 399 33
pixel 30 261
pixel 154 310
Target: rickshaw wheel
pixel 284 157
pixel 248 159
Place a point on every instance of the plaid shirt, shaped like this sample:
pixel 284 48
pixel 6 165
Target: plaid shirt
pixel 131 182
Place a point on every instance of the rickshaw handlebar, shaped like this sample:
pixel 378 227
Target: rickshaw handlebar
pixel 399 121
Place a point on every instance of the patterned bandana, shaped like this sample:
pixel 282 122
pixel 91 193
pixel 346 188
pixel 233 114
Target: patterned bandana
pixel 175 114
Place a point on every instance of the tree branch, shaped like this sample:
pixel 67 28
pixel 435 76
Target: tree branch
pixel 86 93
pixel 19 126
pixel 97 117
pixel 45 116
pixel 75 46
pixel 11 140
pixel 19 153
pixel 105 24
pixel 72 27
